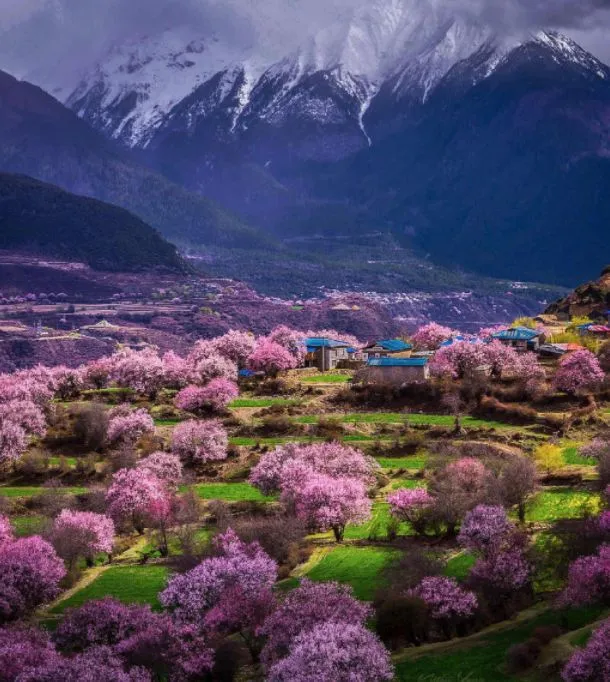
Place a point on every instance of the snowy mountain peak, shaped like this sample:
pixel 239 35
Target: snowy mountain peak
pixel 150 82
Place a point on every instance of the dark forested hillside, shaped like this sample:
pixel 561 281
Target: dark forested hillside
pixel 43 219
pixel 41 138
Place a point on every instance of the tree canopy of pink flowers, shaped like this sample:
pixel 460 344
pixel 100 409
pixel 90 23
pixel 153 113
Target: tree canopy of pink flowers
pixel 166 466
pixel 133 494
pixel 592 663
pixel 430 336
pixel 200 442
pixel 192 596
pixel 342 652
pixel 82 534
pixel 578 371
pixel 130 427
pixel 30 572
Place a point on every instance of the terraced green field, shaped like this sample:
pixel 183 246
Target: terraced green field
pixel 230 492
pixel 360 567
pixel 129 584
pixel 32 490
pixel 404 418
pixel 262 402
pixel 326 379
pixel 549 506
pixel 414 463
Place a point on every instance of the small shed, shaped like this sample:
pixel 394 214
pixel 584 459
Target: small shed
pixel 398 371
pixel 388 348
pixel 521 338
pixel 326 354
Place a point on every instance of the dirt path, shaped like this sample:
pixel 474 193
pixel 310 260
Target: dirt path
pixel 471 640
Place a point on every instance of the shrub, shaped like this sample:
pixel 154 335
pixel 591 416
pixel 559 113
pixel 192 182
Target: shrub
pixel 91 427
pixel 402 621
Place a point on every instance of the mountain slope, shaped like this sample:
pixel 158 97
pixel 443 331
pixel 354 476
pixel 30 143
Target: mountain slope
pixel 41 219
pixel 41 138
pixel 516 165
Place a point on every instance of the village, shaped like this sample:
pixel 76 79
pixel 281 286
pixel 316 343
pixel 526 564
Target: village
pixel 315 466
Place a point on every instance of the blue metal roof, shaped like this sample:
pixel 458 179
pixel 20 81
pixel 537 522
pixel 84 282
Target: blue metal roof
pixel 517 334
pixel 314 343
pixel 398 362
pixel 392 345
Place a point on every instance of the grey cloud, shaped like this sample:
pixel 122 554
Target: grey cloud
pixel 72 34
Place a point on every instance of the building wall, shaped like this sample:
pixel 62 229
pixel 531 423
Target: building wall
pixel 395 375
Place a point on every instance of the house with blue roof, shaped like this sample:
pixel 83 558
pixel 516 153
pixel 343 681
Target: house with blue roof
pixel 326 354
pixel 521 338
pixel 388 348
pixel 396 371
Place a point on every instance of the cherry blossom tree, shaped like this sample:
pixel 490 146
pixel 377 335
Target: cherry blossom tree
pixel 457 488
pixel 596 449
pixel 588 580
pixel 26 414
pixel 104 622
pixel 290 339
pixel 82 534
pixel 142 371
pixel 23 649
pixel 333 459
pixel 502 573
pixel 484 529
pixel 96 374
pixel 199 442
pixel 305 607
pixel 213 367
pixel 592 663
pixel 334 652
pixel 166 466
pixel 132 494
pixel 462 357
pixel 131 427
pixel 430 336
pixel 215 396
pixel 271 358
pixel 448 603
pixel 30 572
pixel 235 346
pixel 13 441
pixel 411 506
pixel 191 596
pixel 172 651
pixel 326 503
pixel 67 382
pixel 175 370
pixel 578 371
pixel 6 530
pixel 98 664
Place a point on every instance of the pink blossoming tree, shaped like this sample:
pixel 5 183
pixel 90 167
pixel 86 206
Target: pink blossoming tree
pixel 411 506
pixel 166 466
pixel 200 442
pixel 334 652
pixel 309 605
pixel 30 572
pixel 591 664
pixel 82 534
pixel 132 495
pixel 130 427
pixel 578 371
pixel 271 358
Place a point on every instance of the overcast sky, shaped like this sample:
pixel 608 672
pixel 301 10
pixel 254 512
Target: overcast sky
pixel 65 35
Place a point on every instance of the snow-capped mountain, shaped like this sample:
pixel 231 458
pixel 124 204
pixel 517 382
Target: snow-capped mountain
pixel 138 86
